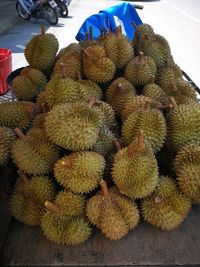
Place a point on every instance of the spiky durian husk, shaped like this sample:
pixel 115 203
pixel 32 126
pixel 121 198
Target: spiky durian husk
pixel 187 168
pixel 7 137
pixel 39 120
pixel 139 32
pixel 71 65
pixel 106 112
pixel 41 50
pixel 119 91
pixel 155 92
pixel 80 172
pixel 35 155
pixel 73 126
pixel 135 172
pixel 156 47
pixel 115 214
pixel 91 89
pixel 135 103
pixel 16 114
pixel 183 124
pixel 140 70
pixel 104 143
pixel 71 47
pixel 29 84
pixel 167 77
pixel 119 49
pixel 151 121
pixel 167 207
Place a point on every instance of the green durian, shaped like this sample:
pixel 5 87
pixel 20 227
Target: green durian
pixel 167 207
pixel 187 168
pixel 135 169
pixel 113 213
pixel 29 83
pixel 71 47
pixel 7 137
pixel 80 172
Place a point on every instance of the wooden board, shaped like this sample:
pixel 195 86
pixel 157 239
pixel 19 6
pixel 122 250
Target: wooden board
pixel 144 246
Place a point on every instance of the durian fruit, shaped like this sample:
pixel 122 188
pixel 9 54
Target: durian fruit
pixel 183 123
pixel 17 114
pixel 113 213
pixel 39 120
pixel 29 83
pixel 156 47
pixel 140 70
pixel 34 153
pixel 80 172
pixel 97 67
pixel 40 51
pixel 104 144
pixel 139 32
pixel 62 90
pixel 135 169
pixel 64 223
pixel 74 126
pixel 151 121
pixel 155 92
pixel 137 102
pixel 71 47
pixel 167 207
pixel 187 168
pixel 118 93
pixel 72 64
pixel 7 137
pixel 119 49
pixel 26 202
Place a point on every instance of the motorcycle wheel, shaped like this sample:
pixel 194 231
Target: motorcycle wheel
pixel 50 14
pixel 63 10
pixel 22 12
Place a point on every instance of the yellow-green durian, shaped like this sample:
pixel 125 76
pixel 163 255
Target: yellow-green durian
pixel 40 51
pixel 29 83
pixel 7 137
pixel 91 89
pixel 74 126
pixel 187 168
pixel 113 213
pixel 140 70
pixel 119 49
pixel 118 93
pixel 167 207
pixel 135 169
pixel 71 47
pixel 80 172
pixel 153 124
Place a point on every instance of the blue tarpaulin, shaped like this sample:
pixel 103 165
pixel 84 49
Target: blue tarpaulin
pixel 108 19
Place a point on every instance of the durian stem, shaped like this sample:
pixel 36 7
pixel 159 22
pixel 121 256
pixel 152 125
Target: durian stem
pixel 118 30
pixel 92 101
pixel 43 29
pixel 20 134
pixel 91 34
pixel 157 200
pixel 152 79
pixel 165 106
pixel 140 56
pixel 119 89
pixel 147 105
pixel 173 102
pixel 104 188
pixel 52 207
pixel 62 70
pixel 86 53
pixel 79 76
pixel 87 37
pixel 101 32
pixel 67 162
pixel 116 143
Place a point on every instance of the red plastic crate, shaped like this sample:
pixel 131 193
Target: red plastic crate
pixel 5 69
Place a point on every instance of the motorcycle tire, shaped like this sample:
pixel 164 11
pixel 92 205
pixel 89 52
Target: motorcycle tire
pixel 22 12
pixel 63 10
pixel 50 14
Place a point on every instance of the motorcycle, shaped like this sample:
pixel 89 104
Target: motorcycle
pixel 45 9
pixel 62 8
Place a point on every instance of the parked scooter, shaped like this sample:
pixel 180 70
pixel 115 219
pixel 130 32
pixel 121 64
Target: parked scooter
pixel 45 9
pixel 62 8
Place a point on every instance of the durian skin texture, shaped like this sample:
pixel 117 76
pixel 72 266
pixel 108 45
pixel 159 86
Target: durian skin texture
pixel 187 168
pixel 83 173
pixel 7 137
pixel 41 50
pixel 167 207
pixel 135 173
pixel 73 126
pixel 115 215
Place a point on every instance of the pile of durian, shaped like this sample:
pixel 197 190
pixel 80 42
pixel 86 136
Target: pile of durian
pixel 104 134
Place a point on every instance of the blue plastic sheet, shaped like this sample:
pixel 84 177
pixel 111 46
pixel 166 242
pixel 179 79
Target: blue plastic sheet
pixel 108 19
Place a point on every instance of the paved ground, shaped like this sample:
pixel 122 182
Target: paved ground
pixel 177 20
